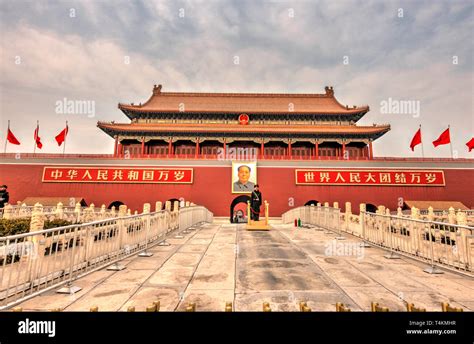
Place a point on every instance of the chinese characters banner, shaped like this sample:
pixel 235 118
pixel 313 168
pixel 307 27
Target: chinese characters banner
pixel 370 177
pixel 117 175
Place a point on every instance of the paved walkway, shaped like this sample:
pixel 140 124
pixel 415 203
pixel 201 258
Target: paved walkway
pixel 223 262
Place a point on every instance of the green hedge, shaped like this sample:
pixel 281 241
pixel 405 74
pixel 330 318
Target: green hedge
pixel 19 226
pixel 14 226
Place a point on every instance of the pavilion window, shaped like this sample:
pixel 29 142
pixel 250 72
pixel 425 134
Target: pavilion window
pixel 185 150
pixel 132 149
pixel 274 151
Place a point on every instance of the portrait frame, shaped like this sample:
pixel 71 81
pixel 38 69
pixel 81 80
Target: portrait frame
pixel 252 180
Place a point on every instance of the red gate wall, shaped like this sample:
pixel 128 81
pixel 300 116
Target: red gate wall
pixel 212 188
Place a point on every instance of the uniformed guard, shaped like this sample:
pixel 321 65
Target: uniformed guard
pixel 255 203
pixel 4 196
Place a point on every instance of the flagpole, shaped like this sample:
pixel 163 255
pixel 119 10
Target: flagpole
pixel 450 143
pixel 6 138
pixel 65 137
pixel 422 149
pixel 37 134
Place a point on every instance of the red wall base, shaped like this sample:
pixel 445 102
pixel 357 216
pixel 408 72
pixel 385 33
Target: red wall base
pixel 212 185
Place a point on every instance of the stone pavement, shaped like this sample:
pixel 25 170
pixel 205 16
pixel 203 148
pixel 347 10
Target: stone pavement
pixel 222 262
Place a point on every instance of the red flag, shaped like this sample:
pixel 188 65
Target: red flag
pixel 443 139
pixel 61 137
pixel 470 144
pixel 416 140
pixel 11 138
pixel 37 138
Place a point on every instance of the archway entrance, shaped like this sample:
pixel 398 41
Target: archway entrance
pixel 172 200
pixel 311 202
pixel 115 204
pixel 370 208
pixel 239 207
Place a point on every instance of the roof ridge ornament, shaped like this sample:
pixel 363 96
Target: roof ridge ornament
pixel 157 89
pixel 329 91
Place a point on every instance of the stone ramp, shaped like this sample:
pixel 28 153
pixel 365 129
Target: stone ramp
pixel 271 268
pixel 223 262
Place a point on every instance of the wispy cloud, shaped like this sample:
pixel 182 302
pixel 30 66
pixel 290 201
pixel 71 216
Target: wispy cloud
pixel 281 47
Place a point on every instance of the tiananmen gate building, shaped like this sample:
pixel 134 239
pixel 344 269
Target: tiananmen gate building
pixel 300 148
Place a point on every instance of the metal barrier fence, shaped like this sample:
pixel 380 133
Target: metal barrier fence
pixel 439 244
pixel 34 262
pixel 324 217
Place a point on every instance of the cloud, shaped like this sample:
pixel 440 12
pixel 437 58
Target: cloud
pixel 281 47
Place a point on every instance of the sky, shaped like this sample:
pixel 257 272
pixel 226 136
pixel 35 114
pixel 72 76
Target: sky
pixel 378 53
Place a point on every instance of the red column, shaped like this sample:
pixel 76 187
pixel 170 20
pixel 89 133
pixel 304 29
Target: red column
pixel 289 148
pixel 143 146
pixel 371 151
pixel 197 149
pixel 317 150
pixel 262 150
pixel 343 150
pixel 225 153
pixel 170 147
pixel 115 145
pixel 120 149
pixel 362 152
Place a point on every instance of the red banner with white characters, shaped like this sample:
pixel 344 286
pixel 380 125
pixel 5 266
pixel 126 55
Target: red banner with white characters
pixel 73 174
pixel 370 177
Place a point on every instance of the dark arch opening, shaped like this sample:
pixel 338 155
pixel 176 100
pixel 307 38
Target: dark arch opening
pixel 314 202
pixel 172 200
pixel 237 200
pixel 370 208
pixel 115 204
